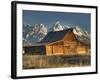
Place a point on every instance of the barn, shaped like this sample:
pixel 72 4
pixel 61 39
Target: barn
pixel 63 42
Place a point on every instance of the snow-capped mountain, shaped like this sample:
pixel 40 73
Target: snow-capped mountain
pixel 57 27
pixel 34 33
pixel 78 31
pixel 26 42
pixel 81 35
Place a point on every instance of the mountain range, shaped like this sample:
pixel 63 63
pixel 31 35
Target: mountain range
pixel 35 33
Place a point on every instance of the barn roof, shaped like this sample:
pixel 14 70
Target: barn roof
pixel 55 36
pixel 83 39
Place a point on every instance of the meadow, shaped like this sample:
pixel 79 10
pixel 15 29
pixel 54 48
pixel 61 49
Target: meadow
pixel 55 61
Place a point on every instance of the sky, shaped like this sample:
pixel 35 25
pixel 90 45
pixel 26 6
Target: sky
pixel 49 18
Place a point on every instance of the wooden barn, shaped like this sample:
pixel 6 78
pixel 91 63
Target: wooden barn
pixel 63 42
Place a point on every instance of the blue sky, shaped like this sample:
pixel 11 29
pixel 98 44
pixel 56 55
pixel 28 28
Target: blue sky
pixel 49 18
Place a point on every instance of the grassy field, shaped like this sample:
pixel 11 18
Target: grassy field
pixel 54 61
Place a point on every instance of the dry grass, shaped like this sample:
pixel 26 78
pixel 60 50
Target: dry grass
pixel 42 61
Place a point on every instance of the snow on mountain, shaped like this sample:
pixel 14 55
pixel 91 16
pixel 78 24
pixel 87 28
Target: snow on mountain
pixel 86 33
pixel 26 42
pixel 57 27
pixel 67 27
pixel 81 35
pixel 35 33
pixel 40 29
pixel 78 31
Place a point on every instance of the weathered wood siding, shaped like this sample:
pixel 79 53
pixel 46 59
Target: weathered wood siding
pixel 55 48
pixel 58 49
pixel 73 46
pixel 82 49
pixel 49 50
pixel 70 44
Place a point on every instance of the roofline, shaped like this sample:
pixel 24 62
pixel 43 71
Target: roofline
pixel 54 42
pixel 44 44
pixel 83 43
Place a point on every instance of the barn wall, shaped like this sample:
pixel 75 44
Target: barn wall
pixel 58 50
pixel 35 50
pixel 72 46
pixel 49 50
pixel 81 50
pixel 55 49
